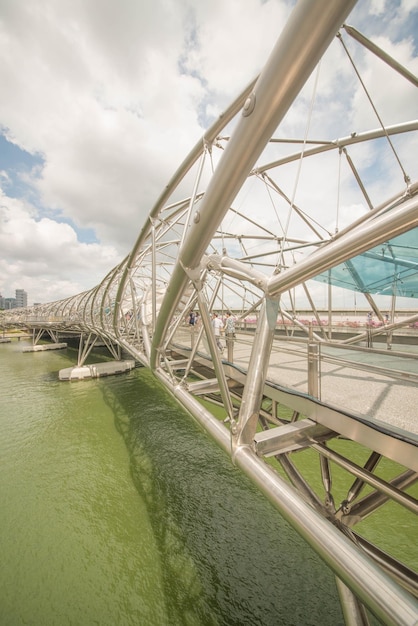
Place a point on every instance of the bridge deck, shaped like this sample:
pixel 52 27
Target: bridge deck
pixel 369 396
pixel 350 379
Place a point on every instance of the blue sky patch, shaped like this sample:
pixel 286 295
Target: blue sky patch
pixel 17 163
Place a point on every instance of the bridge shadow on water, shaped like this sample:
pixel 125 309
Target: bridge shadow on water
pixel 227 556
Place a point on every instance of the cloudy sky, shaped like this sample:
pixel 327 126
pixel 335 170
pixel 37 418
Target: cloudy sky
pixel 102 100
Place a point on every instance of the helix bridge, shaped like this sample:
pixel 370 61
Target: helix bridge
pixel 262 215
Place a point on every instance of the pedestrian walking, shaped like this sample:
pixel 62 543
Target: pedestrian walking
pixel 218 326
pixel 230 326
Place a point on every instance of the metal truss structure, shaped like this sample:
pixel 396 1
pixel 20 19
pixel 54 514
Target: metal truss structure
pixel 251 222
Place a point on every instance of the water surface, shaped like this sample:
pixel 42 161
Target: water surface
pixel 118 509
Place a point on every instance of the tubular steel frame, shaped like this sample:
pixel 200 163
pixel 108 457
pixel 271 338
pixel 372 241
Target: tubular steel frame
pixel 213 250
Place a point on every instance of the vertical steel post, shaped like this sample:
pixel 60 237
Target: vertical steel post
pixel 313 370
pixel 256 374
pixel 353 610
pixel 229 348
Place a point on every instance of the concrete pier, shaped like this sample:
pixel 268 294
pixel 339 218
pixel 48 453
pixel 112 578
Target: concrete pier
pixel 45 346
pixel 96 370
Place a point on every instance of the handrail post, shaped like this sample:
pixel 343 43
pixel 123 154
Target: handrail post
pixel 313 366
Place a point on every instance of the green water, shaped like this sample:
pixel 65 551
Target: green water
pixel 117 509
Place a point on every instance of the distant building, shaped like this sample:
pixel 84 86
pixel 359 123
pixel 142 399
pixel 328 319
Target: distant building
pixel 21 298
pixel 9 303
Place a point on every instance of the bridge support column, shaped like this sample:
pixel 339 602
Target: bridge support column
pixel 37 336
pixel 256 375
pixel 85 347
pixel 353 610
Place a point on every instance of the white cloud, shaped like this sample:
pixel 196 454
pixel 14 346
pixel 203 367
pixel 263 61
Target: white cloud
pixel 229 53
pixel 114 95
pixel 45 256
pixel 95 88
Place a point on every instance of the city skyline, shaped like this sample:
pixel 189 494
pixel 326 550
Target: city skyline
pixel 19 300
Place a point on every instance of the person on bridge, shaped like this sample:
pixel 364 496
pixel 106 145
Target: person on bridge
pixel 217 328
pixel 230 326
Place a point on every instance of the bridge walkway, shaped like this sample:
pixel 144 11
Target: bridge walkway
pixel 377 384
pixel 367 395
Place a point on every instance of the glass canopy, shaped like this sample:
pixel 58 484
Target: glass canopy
pixel 388 269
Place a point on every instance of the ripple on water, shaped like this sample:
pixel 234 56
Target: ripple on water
pixel 120 510
pixel 77 544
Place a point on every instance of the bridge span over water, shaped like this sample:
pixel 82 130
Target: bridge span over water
pixel 267 224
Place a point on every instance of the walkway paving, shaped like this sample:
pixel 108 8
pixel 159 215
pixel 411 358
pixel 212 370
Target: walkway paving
pixel 349 379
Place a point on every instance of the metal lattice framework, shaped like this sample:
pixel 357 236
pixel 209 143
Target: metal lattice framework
pixel 251 222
